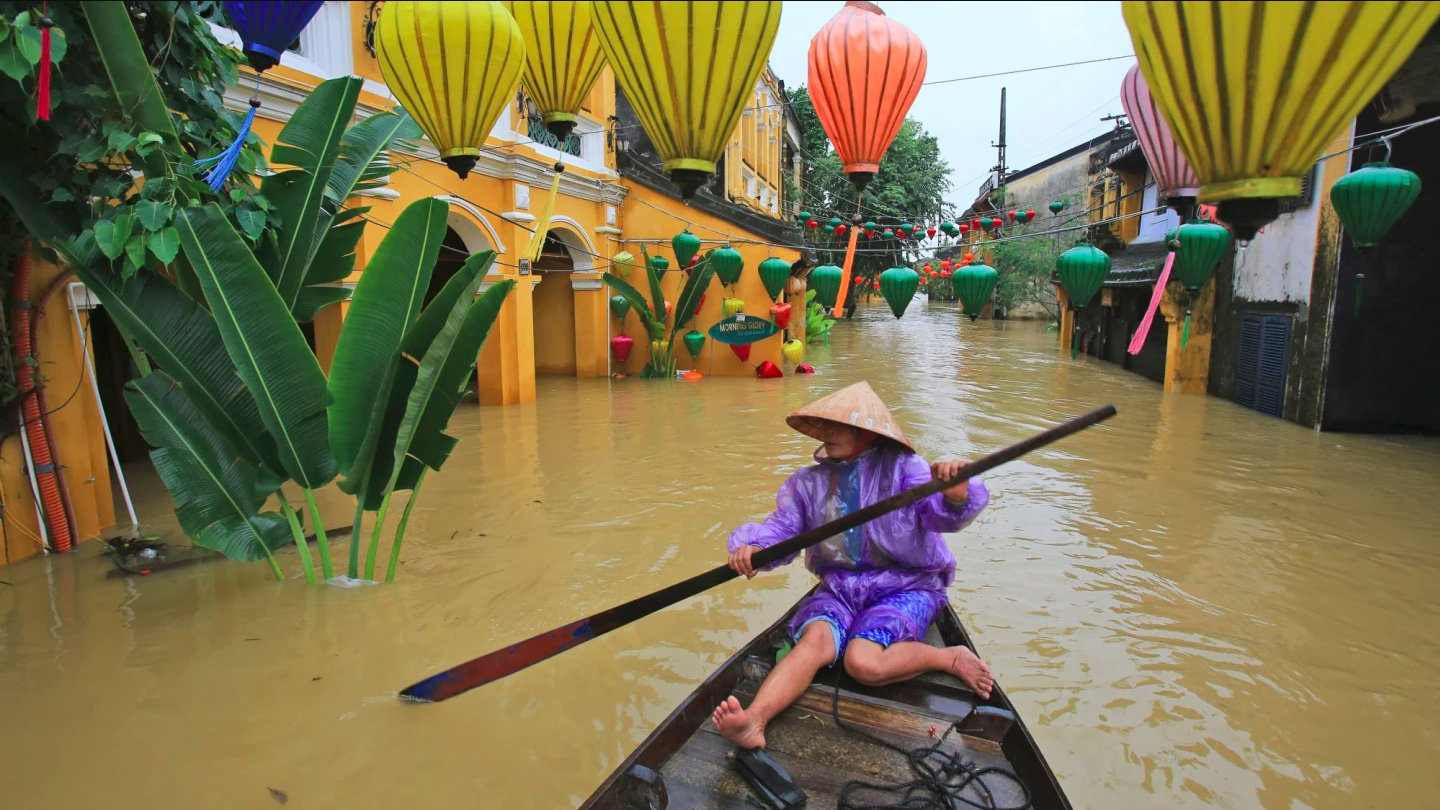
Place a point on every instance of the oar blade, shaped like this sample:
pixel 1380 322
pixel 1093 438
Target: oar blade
pixel 499 664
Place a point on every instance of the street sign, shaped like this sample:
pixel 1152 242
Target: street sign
pixel 740 328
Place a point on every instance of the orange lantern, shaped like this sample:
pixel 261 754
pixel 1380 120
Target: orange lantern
pixel 969 257
pixel 865 71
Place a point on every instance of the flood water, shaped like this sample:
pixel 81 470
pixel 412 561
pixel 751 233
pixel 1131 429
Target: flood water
pixel 1193 605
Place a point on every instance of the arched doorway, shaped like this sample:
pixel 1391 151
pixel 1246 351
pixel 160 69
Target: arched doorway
pixel 453 254
pixel 564 253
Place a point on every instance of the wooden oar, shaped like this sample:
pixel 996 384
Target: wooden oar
pixel 533 650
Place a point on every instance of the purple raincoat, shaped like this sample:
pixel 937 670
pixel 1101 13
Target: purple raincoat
pixel 885 580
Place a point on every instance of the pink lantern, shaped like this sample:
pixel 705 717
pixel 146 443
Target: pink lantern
pixel 621 345
pixel 1173 175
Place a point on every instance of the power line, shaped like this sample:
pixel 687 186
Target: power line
pixel 1027 70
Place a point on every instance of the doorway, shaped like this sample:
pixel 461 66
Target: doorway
pixel 554 317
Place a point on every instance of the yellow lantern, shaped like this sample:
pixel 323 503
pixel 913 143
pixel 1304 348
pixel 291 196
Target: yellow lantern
pixel 1254 91
pixel 794 351
pixel 688 69
pixel 453 66
pixel 562 58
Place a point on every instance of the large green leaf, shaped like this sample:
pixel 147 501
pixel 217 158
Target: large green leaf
pixel 458 290
pixel 637 303
pixel 385 305
pixel 695 287
pixel 440 376
pixel 182 338
pixel 363 153
pixel 310 142
pixel 269 352
pixel 218 494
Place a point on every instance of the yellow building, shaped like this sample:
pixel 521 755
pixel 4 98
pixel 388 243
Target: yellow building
pixel 557 320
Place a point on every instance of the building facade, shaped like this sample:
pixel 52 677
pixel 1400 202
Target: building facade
pixel 556 321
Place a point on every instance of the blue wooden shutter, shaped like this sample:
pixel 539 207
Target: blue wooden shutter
pixel 1261 366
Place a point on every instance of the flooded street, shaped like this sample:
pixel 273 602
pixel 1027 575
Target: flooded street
pixel 1193 605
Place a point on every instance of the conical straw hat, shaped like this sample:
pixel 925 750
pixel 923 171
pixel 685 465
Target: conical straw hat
pixel 857 405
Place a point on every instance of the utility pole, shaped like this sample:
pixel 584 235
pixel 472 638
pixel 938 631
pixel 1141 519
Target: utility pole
pixel 999 168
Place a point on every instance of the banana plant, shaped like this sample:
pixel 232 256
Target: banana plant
pixel 652 315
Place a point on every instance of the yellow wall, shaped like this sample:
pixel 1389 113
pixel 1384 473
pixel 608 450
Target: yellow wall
pixel 79 440
pixel 756 150
pixel 554 325
pixel 644 224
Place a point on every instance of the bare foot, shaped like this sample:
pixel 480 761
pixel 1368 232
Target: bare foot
pixel 969 668
pixel 737 726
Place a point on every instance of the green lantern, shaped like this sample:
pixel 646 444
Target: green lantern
pixel 685 245
pixel 835 222
pixel 1082 270
pixel 728 264
pixel 1056 207
pixel 694 343
pixel 973 284
pixel 620 305
pixel 898 286
pixel 829 229
pixel 773 273
pixel 825 281
pixel 888 234
pixel 1371 199
pixel 1201 246
pixel 907 227
pixel 804 217
pixel 870 226
pixel 659 264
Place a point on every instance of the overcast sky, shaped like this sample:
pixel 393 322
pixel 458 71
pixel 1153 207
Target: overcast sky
pixel 1047 111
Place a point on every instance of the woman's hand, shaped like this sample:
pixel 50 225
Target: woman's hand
pixel 946 470
pixel 740 561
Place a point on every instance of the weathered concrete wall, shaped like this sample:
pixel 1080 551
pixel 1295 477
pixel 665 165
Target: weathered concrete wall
pixel 1277 264
pixel 1064 180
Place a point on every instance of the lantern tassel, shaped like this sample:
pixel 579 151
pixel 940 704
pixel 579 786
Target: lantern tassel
pixel 1143 331
pixel 1185 335
pixel 42 87
pixel 849 263
pixel 224 163
pixel 542 225
pixel 1075 344
pixel 1359 291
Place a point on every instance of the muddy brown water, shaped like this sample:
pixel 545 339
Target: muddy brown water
pixel 1193 605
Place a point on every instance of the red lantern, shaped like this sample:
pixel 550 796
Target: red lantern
pixel 869 234
pixel 804 368
pixel 964 229
pixel 930 232
pixel 741 351
pixel 945 265
pixel 975 224
pixel 946 274
pixel 768 371
pixel 1029 214
pixel 812 224
pixel 969 257
pixel 621 345
pixel 997 222
pixel 1012 216
pixel 877 285
pixel 840 230
pixel 780 314
pixel 927 268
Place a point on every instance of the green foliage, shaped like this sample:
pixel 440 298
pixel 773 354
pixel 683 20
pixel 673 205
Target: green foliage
pixel 1025 267
pixel 911 184
pixel 652 313
pixel 817 320
pixel 266 345
pixel 219 494
pixel 77 165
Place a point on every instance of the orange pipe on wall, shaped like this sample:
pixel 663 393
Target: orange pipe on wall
pixel 44 464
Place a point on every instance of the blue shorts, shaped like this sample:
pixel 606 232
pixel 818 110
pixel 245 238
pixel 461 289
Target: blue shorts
pixel 902 616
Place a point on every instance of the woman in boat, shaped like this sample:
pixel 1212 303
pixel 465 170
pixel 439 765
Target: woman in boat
pixel 881 584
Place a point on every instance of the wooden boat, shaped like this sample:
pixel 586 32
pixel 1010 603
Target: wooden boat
pixel 686 764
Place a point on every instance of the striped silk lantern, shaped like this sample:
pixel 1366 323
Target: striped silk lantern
pixel 453 66
pixel 1175 181
pixel 668 59
pixel 825 281
pixel 1082 270
pixel 898 286
pixel 773 273
pixel 974 283
pixel 732 306
pixel 794 351
pixel 1253 91
pixel 562 58
pixel 266 30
